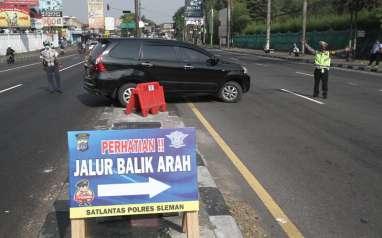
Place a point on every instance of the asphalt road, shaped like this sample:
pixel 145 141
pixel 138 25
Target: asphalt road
pixel 320 161
pixel 33 159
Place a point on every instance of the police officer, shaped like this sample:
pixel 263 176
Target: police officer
pixel 49 59
pixel 322 60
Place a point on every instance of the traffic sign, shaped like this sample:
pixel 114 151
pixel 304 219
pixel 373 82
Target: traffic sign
pixel 128 172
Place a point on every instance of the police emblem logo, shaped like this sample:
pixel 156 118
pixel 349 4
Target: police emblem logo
pixel 177 139
pixel 82 141
pixel 83 195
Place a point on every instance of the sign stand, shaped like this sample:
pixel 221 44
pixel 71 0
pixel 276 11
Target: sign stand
pixel 78 228
pixel 190 224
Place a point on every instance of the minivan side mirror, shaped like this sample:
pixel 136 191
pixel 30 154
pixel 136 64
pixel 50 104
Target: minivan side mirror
pixel 213 61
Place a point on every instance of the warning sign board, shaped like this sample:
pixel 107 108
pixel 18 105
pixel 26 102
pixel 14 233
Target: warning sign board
pixel 128 172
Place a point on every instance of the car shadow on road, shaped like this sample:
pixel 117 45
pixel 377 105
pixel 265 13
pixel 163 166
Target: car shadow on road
pixel 95 101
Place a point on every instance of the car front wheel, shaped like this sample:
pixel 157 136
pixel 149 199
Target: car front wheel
pixel 231 92
pixel 125 92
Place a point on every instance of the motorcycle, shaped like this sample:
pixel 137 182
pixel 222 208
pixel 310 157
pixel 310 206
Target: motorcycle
pixel 11 59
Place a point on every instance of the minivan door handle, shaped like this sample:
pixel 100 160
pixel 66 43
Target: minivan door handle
pixel 188 67
pixel 146 64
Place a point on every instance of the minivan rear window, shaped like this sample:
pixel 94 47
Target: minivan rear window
pixel 97 50
pixel 126 50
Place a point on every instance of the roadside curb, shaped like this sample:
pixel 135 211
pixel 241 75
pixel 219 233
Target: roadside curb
pixel 310 61
pixel 215 217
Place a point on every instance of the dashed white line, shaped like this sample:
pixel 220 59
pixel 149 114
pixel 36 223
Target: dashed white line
pixel 19 67
pixel 352 84
pixel 311 75
pixel 258 64
pixel 7 89
pixel 302 96
pixel 71 66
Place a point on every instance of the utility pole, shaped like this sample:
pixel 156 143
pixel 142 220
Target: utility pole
pixel 268 39
pixel 137 19
pixel 212 27
pixel 229 23
pixel 304 15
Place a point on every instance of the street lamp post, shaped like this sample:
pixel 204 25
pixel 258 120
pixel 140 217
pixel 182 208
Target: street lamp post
pixel 304 14
pixel 268 38
pixel 137 19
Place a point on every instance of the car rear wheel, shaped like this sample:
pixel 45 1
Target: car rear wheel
pixel 231 92
pixel 125 92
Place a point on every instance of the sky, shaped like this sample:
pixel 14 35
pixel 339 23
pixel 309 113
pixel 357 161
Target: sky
pixel 160 11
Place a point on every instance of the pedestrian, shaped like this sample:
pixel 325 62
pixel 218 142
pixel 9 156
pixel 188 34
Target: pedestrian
pixel 375 53
pixel 322 60
pixel 51 65
pixel 295 50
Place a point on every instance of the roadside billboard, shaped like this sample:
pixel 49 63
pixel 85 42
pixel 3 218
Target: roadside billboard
pixel 51 12
pixel 109 24
pixel 95 14
pixel 14 16
pixel 194 9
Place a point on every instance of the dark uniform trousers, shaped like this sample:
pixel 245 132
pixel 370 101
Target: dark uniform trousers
pixel 54 79
pixel 321 76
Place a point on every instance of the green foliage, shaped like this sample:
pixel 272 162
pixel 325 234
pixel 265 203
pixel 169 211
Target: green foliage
pixel 378 15
pixel 128 17
pixel 178 19
pixel 240 18
pixel 366 20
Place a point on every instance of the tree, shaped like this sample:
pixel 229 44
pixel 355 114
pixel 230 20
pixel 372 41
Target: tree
pixel 179 23
pixel 240 17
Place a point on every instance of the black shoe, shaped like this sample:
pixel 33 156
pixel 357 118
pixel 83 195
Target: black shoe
pixel 51 92
pixel 324 96
pixel 59 91
pixel 315 95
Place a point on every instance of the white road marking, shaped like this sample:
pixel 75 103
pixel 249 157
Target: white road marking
pixel 7 89
pixel 352 84
pixel 19 67
pixel 233 58
pixel 71 66
pixel 311 75
pixel 260 64
pixel 27 65
pixel 380 90
pixel 302 96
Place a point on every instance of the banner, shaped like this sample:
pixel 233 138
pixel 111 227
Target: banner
pixel 128 172
pixel 12 16
pixel 194 9
pixel 52 21
pixel 95 14
pixel 51 12
pixel 109 23
pixel 22 2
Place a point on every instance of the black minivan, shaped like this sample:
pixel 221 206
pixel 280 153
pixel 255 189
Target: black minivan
pixel 115 66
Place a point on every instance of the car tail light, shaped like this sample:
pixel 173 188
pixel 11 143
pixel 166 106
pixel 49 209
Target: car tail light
pixel 99 66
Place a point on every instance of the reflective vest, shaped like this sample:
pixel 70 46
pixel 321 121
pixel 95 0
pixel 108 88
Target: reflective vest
pixel 322 59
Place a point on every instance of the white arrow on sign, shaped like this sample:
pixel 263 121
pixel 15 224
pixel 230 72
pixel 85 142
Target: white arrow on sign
pixel 153 187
